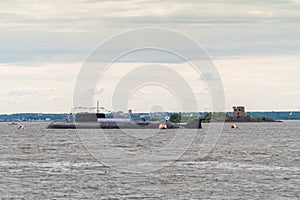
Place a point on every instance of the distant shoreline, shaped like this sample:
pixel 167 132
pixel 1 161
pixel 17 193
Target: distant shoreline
pixel 49 117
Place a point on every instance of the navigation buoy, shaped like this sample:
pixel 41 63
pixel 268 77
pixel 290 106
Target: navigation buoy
pixel 21 126
pixel 163 126
pixel 234 126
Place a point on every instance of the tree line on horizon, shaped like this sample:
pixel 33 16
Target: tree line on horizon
pixel 174 117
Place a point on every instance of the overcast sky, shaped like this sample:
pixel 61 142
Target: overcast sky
pixel 255 46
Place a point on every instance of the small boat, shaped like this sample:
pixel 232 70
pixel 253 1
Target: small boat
pixel 234 126
pixel 21 126
pixel 163 126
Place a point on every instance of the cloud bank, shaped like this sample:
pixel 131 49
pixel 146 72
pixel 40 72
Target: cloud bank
pixel 254 44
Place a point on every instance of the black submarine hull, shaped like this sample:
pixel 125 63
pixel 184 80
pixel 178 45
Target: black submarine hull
pixel 195 124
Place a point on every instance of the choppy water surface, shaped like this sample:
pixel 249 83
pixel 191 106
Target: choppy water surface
pixel 255 161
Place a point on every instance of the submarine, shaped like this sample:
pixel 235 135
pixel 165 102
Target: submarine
pixel 98 120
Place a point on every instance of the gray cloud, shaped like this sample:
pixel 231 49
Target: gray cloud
pixel 40 30
pixel 49 15
pixel 22 92
pixel 55 98
pixel 292 94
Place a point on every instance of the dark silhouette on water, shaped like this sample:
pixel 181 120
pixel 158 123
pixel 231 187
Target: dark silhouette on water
pixel 99 121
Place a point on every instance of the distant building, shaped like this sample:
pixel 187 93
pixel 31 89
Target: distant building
pixel 239 112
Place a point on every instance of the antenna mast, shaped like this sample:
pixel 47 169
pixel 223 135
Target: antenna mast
pixel 98 107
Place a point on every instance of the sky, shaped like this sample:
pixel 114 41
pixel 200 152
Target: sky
pixel 254 45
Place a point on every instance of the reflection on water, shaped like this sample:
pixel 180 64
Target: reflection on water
pixel 257 160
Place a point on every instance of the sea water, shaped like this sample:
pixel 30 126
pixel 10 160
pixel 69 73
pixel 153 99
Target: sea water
pixel 255 161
